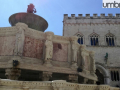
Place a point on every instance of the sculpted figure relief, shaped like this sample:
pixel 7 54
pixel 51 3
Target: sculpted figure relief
pixel 48 46
pixel 85 58
pixel 75 47
pixel 93 68
pixel 20 38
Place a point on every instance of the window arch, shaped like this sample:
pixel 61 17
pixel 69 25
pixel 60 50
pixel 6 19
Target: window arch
pixel 80 38
pixel 114 75
pixel 94 39
pixel 110 39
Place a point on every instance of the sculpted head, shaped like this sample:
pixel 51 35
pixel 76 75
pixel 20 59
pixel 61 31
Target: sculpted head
pixel 49 35
pixel 21 25
pixel 83 47
pixel 74 39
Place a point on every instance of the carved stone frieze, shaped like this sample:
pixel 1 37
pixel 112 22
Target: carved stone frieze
pixel 51 85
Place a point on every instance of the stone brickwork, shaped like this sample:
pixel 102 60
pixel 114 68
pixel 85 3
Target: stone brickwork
pixel 87 26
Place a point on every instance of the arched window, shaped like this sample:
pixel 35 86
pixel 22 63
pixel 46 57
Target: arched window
pixel 110 39
pixel 114 75
pixel 94 39
pixel 80 38
pixel 117 75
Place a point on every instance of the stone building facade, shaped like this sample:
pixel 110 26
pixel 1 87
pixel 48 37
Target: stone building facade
pixel 102 35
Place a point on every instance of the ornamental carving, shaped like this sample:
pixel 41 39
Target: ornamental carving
pixel 85 58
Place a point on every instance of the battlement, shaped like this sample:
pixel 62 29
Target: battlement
pixel 87 16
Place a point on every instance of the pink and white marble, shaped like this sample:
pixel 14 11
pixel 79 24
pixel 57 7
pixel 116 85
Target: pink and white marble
pixel 7 45
pixel 33 48
pixel 60 52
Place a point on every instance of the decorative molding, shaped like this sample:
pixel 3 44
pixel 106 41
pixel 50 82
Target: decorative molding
pixel 50 85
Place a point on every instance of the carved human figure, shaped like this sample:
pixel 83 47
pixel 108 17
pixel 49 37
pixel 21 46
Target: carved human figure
pixel 75 47
pixel 85 57
pixel 48 47
pixel 93 68
pixel 20 38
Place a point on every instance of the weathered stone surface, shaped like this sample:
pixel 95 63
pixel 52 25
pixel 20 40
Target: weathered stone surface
pixel 33 48
pixel 7 45
pixel 60 52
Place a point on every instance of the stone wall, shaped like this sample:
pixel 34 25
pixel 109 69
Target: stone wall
pixel 87 26
pixel 99 25
pixel 113 55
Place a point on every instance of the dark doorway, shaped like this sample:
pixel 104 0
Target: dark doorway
pixel 100 76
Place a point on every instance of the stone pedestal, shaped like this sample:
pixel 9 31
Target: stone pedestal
pixel 13 73
pixel 46 76
pixel 48 63
pixel 73 78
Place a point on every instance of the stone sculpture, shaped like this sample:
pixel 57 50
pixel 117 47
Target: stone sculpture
pixel 48 47
pixel 85 58
pixel 20 39
pixel 93 68
pixel 75 48
pixel 31 9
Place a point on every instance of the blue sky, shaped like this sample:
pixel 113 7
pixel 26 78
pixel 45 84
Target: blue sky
pixel 53 10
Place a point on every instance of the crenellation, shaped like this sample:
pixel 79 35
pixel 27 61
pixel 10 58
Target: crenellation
pixel 80 15
pixel 87 15
pixel 72 15
pixel 117 15
pixel 110 15
pixel 65 16
pixel 95 16
pixel 102 15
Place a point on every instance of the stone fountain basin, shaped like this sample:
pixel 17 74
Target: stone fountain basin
pixel 32 20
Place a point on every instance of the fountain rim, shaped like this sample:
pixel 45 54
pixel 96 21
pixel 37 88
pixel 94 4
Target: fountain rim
pixel 30 14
